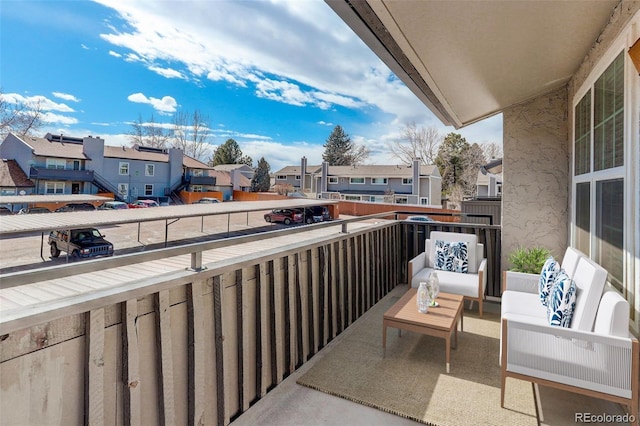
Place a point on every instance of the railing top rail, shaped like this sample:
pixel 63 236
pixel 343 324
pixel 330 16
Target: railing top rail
pixel 59 271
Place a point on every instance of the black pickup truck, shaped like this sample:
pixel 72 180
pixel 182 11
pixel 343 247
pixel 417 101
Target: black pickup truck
pixel 84 243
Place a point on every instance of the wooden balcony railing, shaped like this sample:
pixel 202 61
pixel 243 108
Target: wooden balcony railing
pixel 199 345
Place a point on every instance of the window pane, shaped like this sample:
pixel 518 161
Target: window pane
pixel 582 152
pixel 609 117
pixel 609 228
pixel 583 217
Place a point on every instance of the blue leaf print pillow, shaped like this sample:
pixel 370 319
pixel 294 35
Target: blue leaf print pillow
pixel 451 256
pixel 548 275
pixel 562 301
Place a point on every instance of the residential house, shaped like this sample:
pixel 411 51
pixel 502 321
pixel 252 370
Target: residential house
pixel 14 181
pixel 417 184
pixel 564 76
pixel 489 182
pixel 59 164
pixel 302 177
pixel 245 170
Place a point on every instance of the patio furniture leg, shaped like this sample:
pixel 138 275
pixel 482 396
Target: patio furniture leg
pixel 448 351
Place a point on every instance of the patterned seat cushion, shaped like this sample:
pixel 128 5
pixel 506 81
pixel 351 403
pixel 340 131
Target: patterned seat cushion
pixel 550 270
pixel 562 300
pixel 452 256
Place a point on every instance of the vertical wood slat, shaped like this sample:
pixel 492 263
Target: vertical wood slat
pixel 94 376
pixel 273 355
pixel 239 338
pixel 279 324
pixel 196 362
pixel 219 360
pixel 321 290
pixel 260 279
pixel 165 358
pixel 299 320
pixel 131 364
pixel 330 292
pixel 310 305
pixel 286 317
pixel 342 286
pixel 355 287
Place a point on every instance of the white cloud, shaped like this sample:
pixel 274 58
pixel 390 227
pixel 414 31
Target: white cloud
pixel 50 117
pixel 43 102
pixel 165 106
pixel 115 54
pixel 167 72
pixel 279 155
pixel 296 52
pixel 324 123
pixel 65 96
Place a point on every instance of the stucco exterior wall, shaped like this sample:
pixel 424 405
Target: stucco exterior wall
pixel 536 172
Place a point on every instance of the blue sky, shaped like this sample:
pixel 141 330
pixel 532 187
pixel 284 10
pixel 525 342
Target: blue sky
pixel 276 76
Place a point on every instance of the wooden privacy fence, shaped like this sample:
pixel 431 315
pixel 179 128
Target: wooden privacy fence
pixel 196 352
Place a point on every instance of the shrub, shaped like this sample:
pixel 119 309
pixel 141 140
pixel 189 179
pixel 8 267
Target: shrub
pixel 529 260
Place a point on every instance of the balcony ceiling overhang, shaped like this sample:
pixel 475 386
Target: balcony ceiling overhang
pixel 468 60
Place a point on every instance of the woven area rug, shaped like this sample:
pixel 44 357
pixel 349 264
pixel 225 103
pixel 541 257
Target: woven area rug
pixel 410 380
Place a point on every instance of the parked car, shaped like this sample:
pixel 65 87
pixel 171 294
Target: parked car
pixel 322 211
pixel 143 204
pixel 5 211
pixel 114 205
pixel 33 210
pixel 84 243
pixel 419 219
pixel 207 200
pixel 76 207
pixel 287 216
pixel 311 215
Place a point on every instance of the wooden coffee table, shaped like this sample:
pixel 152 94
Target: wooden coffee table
pixel 440 321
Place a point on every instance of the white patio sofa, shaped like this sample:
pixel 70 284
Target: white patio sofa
pixel 471 285
pixel 595 356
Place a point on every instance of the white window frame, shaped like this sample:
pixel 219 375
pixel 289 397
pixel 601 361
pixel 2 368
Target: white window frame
pixel 123 168
pixel 149 169
pixel 407 181
pixel 196 188
pixel 148 189
pixel 631 194
pixel 297 177
pixel 374 180
pixel 56 163
pixel 198 172
pixel 351 181
pixel 399 198
pixel 352 197
pixel 123 190
pixel 333 179
pixel 281 177
pixel 424 201
pixel 56 187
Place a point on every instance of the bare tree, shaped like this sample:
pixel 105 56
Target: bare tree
pixel 149 133
pixel 20 118
pixel 417 142
pixel 491 150
pixel 190 133
pixel 359 154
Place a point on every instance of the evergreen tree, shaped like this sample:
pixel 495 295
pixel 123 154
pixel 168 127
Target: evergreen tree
pixel 338 149
pixel 230 153
pixel 261 181
pixel 450 160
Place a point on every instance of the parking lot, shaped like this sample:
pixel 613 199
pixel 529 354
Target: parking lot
pixel 22 252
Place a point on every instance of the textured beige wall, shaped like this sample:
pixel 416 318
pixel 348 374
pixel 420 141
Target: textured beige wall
pixel 536 171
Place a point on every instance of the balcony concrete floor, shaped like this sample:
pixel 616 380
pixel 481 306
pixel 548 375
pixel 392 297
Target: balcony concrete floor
pixel 292 404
